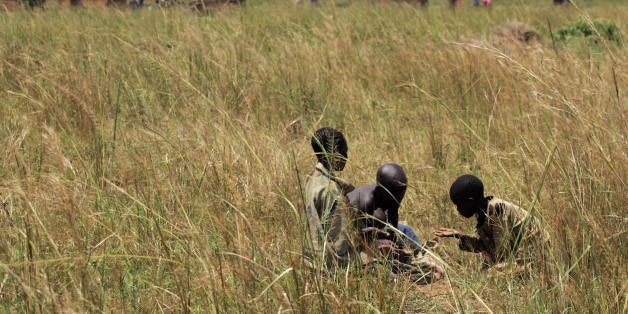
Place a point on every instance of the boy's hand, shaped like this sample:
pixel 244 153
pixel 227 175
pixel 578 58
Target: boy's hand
pixel 389 248
pixel 385 246
pixel 375 232
pixel 447 233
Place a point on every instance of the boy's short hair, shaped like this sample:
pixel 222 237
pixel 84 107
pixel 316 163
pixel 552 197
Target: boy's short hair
pixel 392 177
pixel 466 186
pixel 328 140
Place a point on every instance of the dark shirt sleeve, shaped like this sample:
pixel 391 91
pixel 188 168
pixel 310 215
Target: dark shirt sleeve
pixel 470 244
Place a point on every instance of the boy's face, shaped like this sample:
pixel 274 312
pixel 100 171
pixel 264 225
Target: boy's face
pixel 467 207
pixel 389 199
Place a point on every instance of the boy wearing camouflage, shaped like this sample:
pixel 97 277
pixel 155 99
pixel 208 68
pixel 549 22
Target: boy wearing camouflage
pixel 503 229
pixel 329 221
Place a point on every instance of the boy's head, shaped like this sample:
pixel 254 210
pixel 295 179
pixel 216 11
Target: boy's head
pixel 330 148
pixel 391 185
pixel 467 193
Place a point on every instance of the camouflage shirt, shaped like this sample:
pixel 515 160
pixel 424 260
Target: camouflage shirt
pixel 508 229
pixel 329 220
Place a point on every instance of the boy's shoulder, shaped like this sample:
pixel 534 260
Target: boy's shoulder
pixel 511 212
pixel 319 178
pixel 500 207
pixel 363 191
pixel 319 171
pixel 362 197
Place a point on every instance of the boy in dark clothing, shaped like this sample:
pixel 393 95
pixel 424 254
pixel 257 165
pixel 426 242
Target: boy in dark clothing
pixel 378 205
pixel 503 229
pixel 380 202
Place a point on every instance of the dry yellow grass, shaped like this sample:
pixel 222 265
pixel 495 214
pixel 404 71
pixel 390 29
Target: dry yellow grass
pixel 152 160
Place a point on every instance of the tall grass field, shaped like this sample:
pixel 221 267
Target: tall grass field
pixel 153 160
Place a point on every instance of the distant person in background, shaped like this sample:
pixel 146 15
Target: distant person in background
pixel 504 230
pixel 454 3
pixel 378 206
pixel 559 2
pixel 32 4
pixel 328 216
pixel 485 2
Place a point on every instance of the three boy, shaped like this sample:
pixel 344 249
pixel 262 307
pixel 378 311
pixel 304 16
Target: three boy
pixel 504 229
pixel 331 207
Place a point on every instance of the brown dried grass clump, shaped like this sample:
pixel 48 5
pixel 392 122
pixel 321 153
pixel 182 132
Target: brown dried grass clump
pixel 516 31
pixel 9 5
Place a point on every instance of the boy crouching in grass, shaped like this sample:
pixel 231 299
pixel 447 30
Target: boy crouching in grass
pixel 504 230
pixel 396 243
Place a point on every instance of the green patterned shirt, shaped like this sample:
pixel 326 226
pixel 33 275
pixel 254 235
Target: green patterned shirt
pixel 328 218
pixel 508 230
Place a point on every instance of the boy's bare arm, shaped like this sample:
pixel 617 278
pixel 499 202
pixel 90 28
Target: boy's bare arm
pixel 467 243
pixel 447 233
